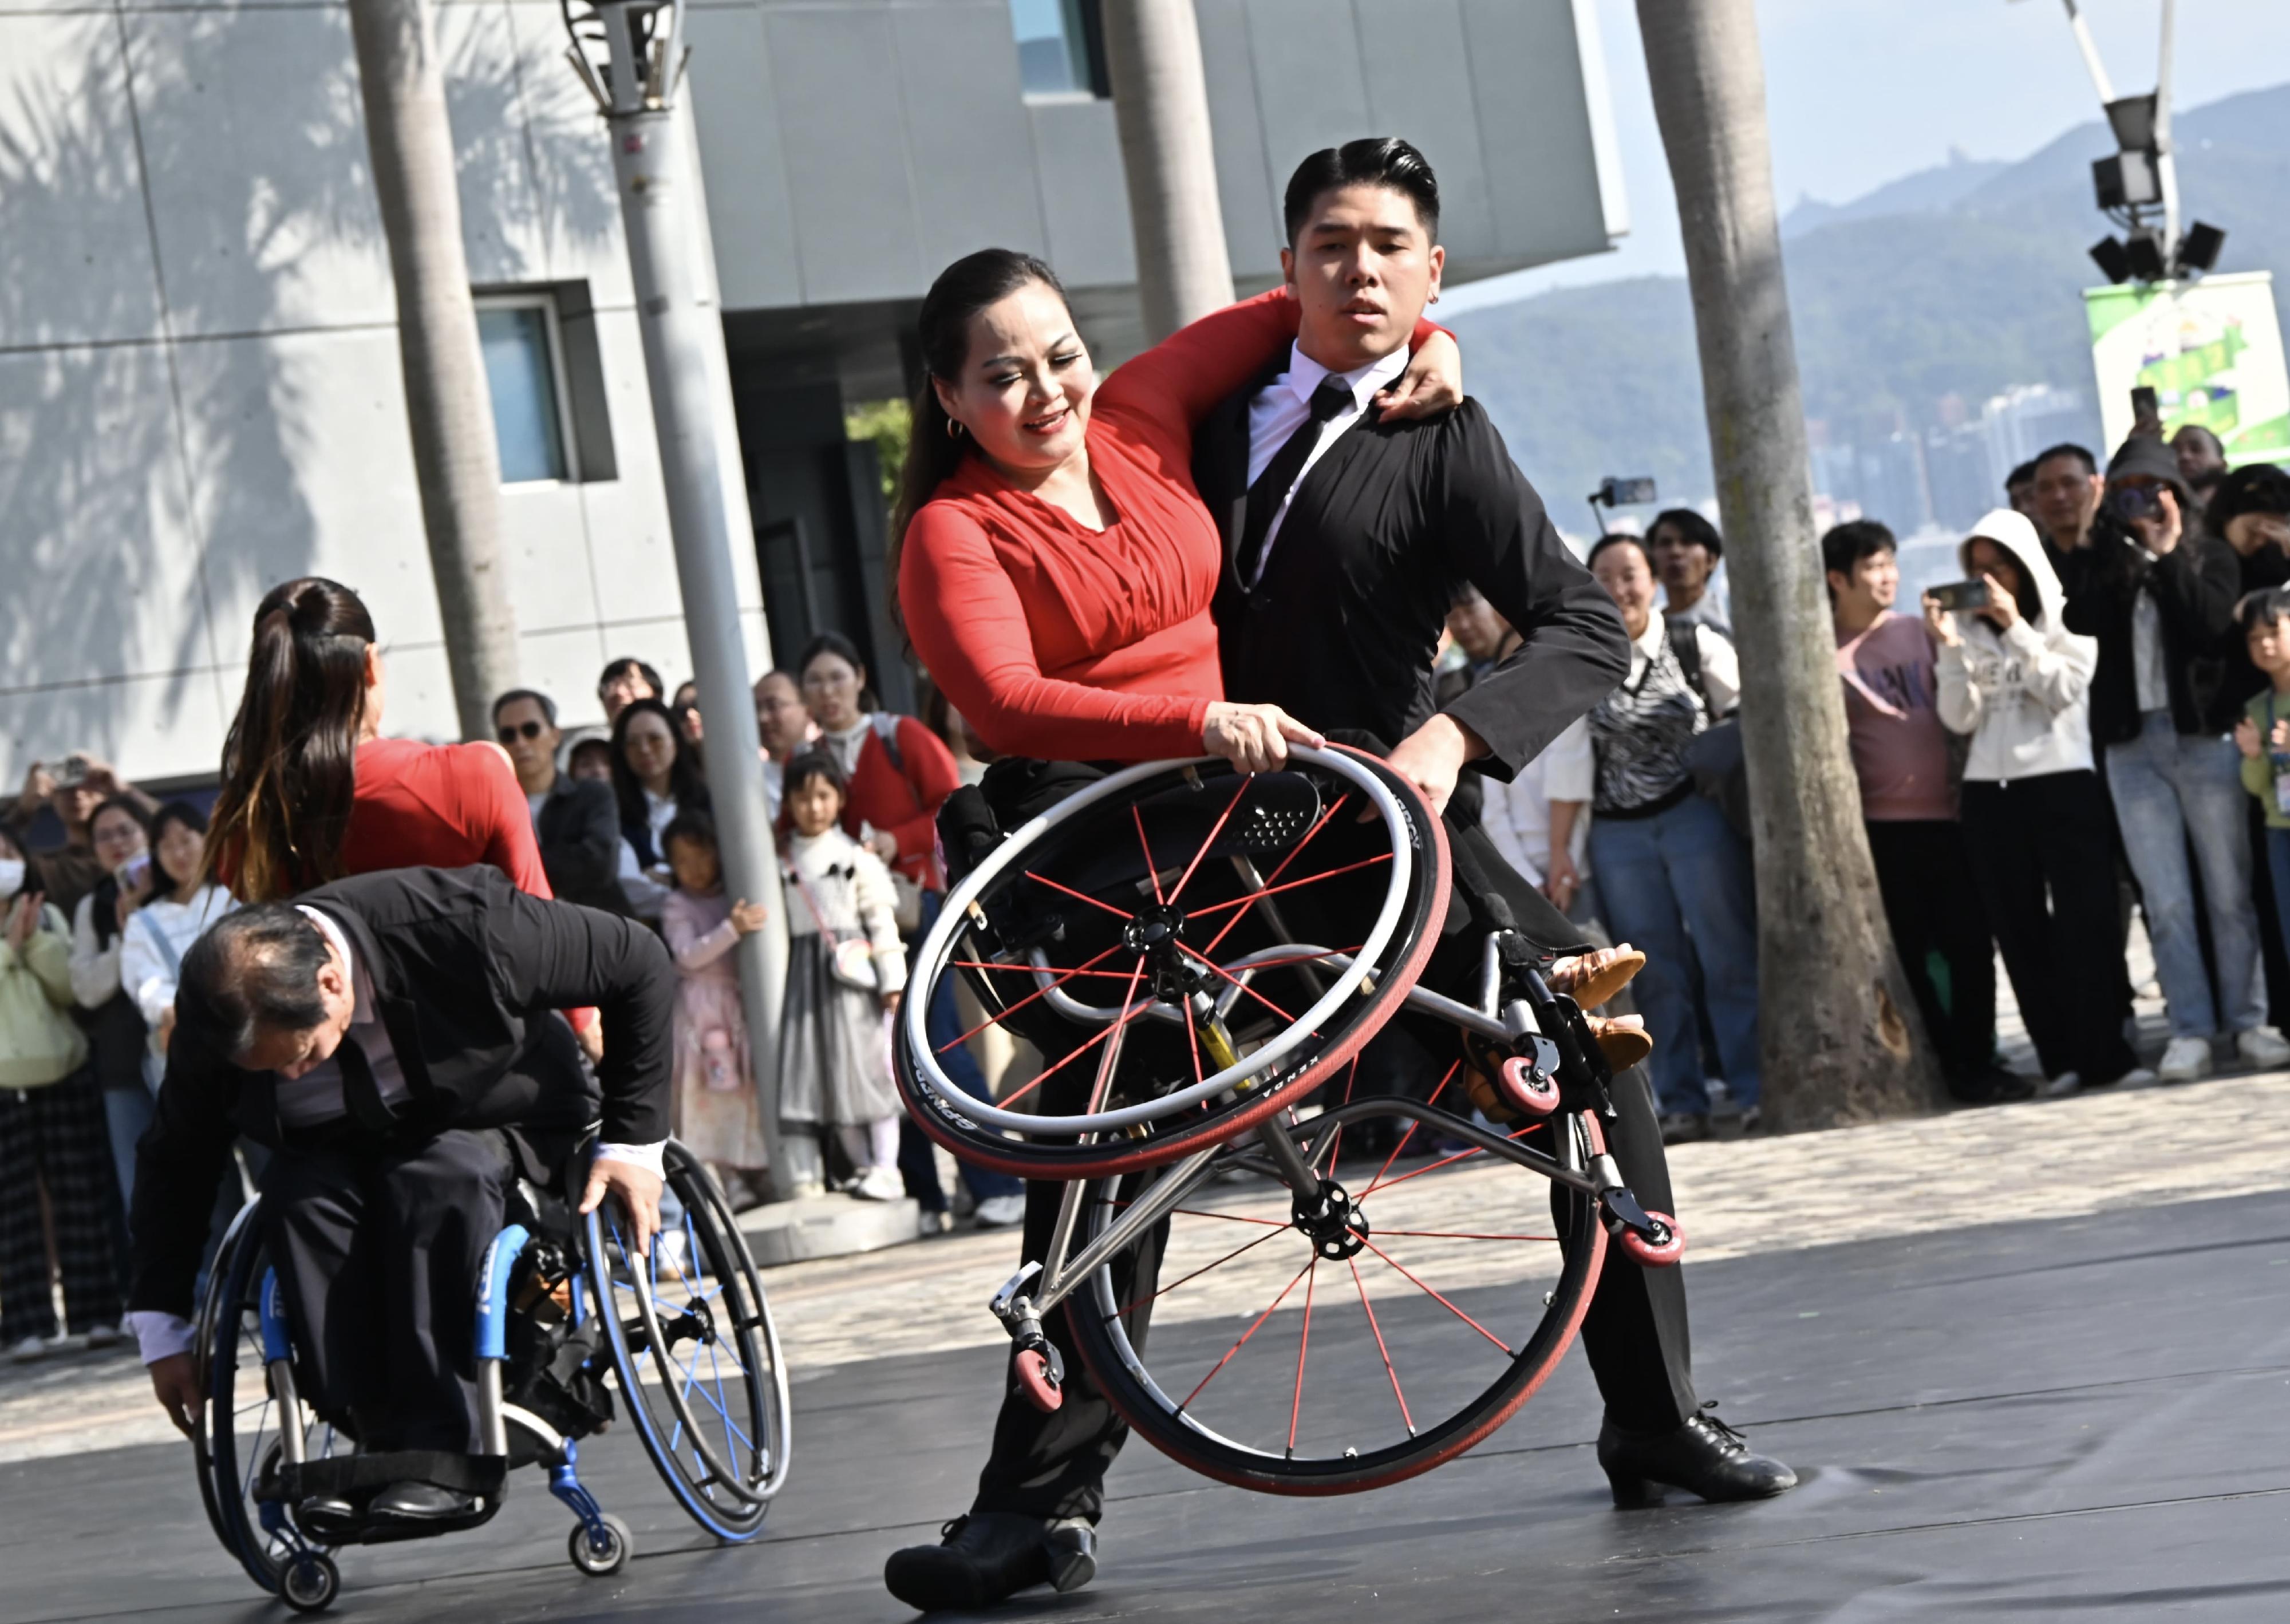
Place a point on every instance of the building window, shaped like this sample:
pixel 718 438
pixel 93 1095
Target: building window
pixel 1061 52
pixel 524 366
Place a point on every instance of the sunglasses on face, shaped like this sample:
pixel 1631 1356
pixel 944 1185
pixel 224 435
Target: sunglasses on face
pixel 523 730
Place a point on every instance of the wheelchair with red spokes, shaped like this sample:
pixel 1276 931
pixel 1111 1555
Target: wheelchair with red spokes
pixel 1200 957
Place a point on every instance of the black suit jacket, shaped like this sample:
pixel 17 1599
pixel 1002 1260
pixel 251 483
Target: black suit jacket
pixel 1342 627
pixel 468 972
pixel 579 831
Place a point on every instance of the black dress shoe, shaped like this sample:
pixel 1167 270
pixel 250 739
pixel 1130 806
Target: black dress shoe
pixel 1991 1085
pixel 325 1513
pixel 990 1556
pixel 1704 1457
pixel 420 1502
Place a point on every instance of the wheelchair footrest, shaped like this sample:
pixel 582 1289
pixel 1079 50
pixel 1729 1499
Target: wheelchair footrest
pixel 351 1475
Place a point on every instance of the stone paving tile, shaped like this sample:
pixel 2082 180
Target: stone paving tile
pixel 2128 1149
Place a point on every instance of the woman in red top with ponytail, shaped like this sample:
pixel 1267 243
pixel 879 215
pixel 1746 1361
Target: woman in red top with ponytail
pixel 311 791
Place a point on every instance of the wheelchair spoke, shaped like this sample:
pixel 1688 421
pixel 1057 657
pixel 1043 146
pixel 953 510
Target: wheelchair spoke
pixel 1152 869
pixel 1445 1161
pixel 1434 1295
pixel 1303 1346
pixel 1376 1183
pixel 1272 1234
pixel 1273 891
pixel 1038 992
pixel 1078 896
pixel 1046 1072
pixel 1216 828
pixel 1382 1352
pixel 1221 971
pixel 1244 1335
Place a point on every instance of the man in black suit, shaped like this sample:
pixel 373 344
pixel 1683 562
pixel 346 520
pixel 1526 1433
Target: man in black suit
pixel 1348 537
pixel 575 821
pixel 393 1038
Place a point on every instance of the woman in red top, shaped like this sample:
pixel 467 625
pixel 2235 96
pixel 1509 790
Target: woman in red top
pixel 311 791
pixel 901 773
pixel 1057 583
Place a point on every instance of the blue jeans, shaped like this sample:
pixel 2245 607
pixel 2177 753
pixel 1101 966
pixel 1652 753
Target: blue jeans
pixel 944 1025
pixel 1683 875
pixel 2171 789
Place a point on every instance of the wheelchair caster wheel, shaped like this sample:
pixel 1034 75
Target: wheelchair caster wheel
pixel 1035 1381
pixel 597 1561
pixel 310 1583
pixel 1663 1254
pixel 1526 1091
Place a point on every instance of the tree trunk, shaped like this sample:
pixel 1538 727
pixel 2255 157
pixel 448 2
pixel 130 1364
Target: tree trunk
pixel 448 406
pixel 1161 108
pixel 1835 1010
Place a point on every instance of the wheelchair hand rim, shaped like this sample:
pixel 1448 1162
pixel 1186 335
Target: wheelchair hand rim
pixel 930 959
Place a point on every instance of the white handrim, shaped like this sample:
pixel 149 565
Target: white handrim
pixel 930 960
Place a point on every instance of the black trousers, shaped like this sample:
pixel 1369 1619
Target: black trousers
pixel 1635 1331
pixel 1934 906
pixel 2042 850
pixel 377 1249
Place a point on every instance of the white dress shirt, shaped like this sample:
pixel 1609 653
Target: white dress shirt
pixel 1284 405
pixel 317 1097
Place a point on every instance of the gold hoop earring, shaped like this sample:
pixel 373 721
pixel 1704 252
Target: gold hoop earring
pixel 953 428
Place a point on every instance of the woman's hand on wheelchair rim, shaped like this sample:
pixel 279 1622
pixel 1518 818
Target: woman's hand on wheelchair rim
pixel 175 1380
pixel 638 1190
pixel 1253 737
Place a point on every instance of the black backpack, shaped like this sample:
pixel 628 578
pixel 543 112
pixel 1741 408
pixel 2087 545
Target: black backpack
pixel 1721 772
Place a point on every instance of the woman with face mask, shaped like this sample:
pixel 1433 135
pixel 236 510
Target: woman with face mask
pixel 119 835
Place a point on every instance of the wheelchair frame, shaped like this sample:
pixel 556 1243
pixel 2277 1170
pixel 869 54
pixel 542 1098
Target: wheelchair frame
pixel 297 1565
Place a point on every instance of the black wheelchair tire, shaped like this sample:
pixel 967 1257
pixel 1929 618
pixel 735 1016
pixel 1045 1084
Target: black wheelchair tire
pixel 1166 1430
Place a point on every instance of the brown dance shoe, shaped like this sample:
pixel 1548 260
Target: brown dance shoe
pixel 1592 979
pixel 1623 1039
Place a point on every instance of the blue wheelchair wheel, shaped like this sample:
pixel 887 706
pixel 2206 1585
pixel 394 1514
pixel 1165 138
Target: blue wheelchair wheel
pixel 695 1353
pixel 238 1437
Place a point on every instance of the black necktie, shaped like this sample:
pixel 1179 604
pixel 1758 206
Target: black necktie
pixel 1280 475
pixel 361 1094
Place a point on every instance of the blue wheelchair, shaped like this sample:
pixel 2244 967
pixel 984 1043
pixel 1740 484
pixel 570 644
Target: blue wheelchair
pixel 569 1316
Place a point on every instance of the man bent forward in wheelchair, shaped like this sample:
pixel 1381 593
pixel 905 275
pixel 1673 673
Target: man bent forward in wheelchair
pixel 393 1038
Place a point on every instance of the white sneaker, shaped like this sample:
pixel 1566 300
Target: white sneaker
pixel 2184 1060
pixel 999 1213
pixel 31 1349
pixel 104 1336
pixel 808 1189
pixel 878 1184
pixel 2059 1087
pixel 2263 1047
pixel 2138 1077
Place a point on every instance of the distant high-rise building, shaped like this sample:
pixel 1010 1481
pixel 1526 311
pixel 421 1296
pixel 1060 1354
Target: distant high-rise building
pixel 2031 418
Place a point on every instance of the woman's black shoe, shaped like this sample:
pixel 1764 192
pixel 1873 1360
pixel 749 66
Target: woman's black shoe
pixel 1991 1085
pixel 1704 1457
pixel 990 1556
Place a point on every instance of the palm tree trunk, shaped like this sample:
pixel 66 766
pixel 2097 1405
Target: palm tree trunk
pixel 1161 108
pixel 448 406
pixel 1834 1008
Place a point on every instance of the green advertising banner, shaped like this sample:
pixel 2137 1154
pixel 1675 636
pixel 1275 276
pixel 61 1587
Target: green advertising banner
pixel 2211 350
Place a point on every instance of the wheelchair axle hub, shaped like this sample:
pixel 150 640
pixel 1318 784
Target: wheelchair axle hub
pixel 1335 1226
pixel 1154 930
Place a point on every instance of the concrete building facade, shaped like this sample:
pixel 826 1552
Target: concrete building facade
pixel 199 385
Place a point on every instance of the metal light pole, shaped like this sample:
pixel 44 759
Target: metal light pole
pixel 630 54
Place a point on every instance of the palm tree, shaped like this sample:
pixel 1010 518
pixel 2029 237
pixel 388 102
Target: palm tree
pixel 448 406
pixel 1161 109
pixel 1835 1009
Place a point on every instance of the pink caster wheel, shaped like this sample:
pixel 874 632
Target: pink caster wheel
pixel 1035 1381
pixel 1529 1093
pixel 1656 1255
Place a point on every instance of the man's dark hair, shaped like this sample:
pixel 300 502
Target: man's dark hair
pixel 1847 544
pixel 1690 526
pixel 1383 160
pixel 252 971
pixel 547 706
pixel 2218 446
pixel 628 663
pixel 2024 474
pixel 2066 448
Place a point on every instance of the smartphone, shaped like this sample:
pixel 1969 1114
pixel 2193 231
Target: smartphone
pixel 1616 492
pixel 68 773
pixel 2135 502
pixel 1961 595
pixel 134 871
pixel 2146 410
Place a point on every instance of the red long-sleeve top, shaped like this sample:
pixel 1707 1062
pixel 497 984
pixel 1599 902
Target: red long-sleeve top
pixel 902 798
pixel 1065 643
pixel 440 806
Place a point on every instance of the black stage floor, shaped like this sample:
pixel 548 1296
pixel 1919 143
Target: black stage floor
pixel 2087 1419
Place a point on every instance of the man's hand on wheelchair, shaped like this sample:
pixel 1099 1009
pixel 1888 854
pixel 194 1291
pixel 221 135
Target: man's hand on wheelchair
pixel 1432 758
pixel 638 1190
pixel 175 1381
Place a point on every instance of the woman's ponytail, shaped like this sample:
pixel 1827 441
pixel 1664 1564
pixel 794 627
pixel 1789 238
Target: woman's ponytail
pixel 289 761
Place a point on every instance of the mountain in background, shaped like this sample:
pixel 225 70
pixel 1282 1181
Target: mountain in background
pixel 1911 305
